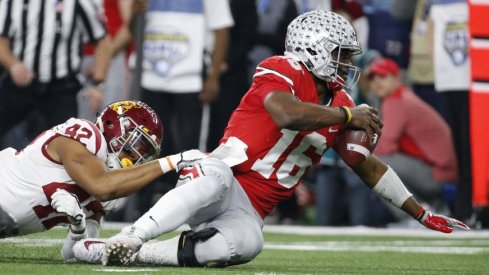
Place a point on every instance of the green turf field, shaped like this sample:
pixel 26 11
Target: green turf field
pixel 337 252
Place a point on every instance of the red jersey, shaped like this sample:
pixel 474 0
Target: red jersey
pixel 277 158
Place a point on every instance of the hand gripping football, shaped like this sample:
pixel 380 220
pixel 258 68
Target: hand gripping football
pixel 354 146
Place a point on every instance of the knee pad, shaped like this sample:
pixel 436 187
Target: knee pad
pixel 186 245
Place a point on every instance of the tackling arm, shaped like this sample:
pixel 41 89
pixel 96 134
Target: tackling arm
pixel 91 174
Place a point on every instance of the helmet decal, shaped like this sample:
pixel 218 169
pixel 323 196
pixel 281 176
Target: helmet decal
pixel 123 106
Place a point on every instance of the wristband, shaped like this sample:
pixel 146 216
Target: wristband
pixel 420 214
pixel 166 165
pixel 348 115
pixel 100 85
pixel 391 188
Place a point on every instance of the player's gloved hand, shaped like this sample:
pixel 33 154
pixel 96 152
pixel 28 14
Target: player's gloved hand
pixel 179 161
pixel 113 162
pixel 439 222
pixel 121 248
pixel 65 202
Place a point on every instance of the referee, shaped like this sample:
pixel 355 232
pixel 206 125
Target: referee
pixel 40 51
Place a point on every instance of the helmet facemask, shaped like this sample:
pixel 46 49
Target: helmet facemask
pixel 134 145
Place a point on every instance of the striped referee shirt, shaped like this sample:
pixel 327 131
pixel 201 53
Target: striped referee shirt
pixel 47 35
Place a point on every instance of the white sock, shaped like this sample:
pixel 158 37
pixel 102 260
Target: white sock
pixel 159 253
pixel 67 249
pixel 176 206
pixel 89 250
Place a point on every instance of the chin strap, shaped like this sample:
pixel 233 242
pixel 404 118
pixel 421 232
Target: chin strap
pixel 336 84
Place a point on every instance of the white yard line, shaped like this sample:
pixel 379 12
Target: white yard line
pixel 369 231
pixel 448 246
pixel 125 270
pixel 346 231
pixel 358 247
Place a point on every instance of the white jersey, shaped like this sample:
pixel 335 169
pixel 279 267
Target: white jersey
pixel 451 43
pixel 174 42
pixel 29 177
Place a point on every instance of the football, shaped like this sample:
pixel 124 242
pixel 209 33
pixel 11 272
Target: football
pixel 354 146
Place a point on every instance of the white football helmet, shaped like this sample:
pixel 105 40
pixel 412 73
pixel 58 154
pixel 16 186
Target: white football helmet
pixel 313 36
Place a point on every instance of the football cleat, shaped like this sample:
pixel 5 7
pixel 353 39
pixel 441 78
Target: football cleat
pixel 120 249
pixel 89 250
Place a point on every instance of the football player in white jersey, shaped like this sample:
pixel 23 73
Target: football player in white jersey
pixel 69 174
pixel 282 128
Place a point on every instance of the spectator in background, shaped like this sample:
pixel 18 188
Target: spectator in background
pixel 387 34
pixel 42 60
pixel 448 28
pixel 118 14
pixel 420 69
pixel 234 79
pixel 172 77
pixel 415 140
pixel 273 18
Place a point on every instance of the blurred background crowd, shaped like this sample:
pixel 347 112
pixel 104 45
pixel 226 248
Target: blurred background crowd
pixel 192 60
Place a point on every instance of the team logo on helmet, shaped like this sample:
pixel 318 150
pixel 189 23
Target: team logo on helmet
pixel 124 106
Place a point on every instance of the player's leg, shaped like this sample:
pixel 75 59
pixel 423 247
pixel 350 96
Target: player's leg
pixel 209 192
pixel 231 238
pixel 202 199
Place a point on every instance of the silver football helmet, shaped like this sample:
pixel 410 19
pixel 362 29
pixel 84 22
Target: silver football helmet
pixel 313 37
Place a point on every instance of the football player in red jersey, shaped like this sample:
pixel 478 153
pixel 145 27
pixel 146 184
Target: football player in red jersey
pixel 71 171
pixel 291 114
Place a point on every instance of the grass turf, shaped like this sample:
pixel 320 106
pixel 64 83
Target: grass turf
pixel 40 254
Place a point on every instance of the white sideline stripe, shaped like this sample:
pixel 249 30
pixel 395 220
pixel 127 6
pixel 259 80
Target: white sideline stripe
pixel 22 241
pixel 124 270
pixel 369 231
pixel 375 248
pixel 419 231
pixel 414 246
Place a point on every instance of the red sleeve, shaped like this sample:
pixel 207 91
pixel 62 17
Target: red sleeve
pixel 272 74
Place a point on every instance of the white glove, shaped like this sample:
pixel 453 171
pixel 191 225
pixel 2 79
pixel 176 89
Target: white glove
pixel 67 203
pixel 112 162
pixel 179 161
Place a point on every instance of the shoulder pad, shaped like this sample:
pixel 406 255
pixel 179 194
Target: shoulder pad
pixel 86 133
pixel 284 67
